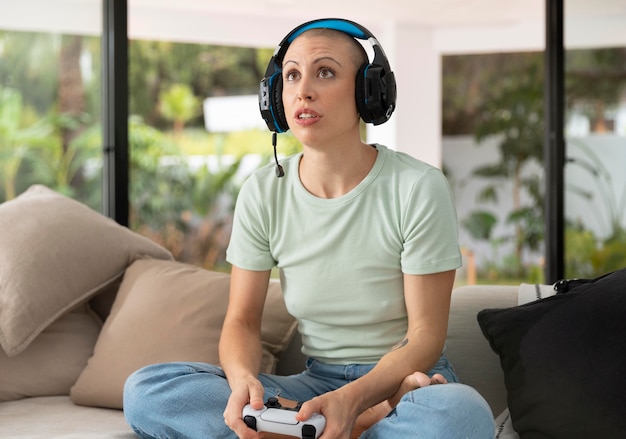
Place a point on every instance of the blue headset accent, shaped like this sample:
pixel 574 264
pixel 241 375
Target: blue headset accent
pixel 329 23
pixel 279 128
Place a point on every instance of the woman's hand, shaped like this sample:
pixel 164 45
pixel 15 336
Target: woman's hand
pixel 374 414
pixel 250 392
pixel 343 423
pixel 338 409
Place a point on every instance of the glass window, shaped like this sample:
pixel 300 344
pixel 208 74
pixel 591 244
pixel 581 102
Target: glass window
pixel 50 99
pixel 195 134
pixel 492 123
pixel 492 115
pixel 595 181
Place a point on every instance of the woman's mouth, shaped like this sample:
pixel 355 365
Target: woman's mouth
pixel 307 117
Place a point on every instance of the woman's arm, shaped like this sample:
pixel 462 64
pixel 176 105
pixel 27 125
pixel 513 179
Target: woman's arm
pixel 240 345
pixel 427 300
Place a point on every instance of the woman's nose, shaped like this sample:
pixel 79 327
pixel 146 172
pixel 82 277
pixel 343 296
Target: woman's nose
pixel 305 90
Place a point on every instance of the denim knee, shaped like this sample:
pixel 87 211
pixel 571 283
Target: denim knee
pixel 136 387
pixel 467 413
pixel 168 400
pixel 451 411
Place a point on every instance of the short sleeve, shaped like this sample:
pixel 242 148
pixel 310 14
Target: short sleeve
pixel 249 242
pixel 430 227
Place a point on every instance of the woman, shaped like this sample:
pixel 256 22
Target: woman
pixel 366 243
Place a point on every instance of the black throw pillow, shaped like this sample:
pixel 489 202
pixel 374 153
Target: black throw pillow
pixel 564 361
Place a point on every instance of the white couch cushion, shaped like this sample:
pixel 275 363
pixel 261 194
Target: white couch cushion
pixel 57 417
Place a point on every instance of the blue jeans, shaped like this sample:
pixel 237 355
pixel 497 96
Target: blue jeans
pixel 187 400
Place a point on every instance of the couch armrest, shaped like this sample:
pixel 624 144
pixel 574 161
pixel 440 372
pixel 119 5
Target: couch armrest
pixel 466 347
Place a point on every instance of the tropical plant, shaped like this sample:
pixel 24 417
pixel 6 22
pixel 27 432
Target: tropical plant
pixel 16 139
pixel 480 224
pixel 214 194
pixel 61 165
pixel 155 66
pixel 187 210
pixel 613 204
pixel 178 104
pixel 587 255
pixel 515 116
pixel 160 179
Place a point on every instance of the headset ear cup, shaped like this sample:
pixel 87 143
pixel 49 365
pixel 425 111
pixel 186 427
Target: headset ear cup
pixel 277 104
pixel 378 94
pixel 271 103
pixel 360 93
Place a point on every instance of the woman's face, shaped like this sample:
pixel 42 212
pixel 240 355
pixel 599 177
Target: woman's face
pixel 319 73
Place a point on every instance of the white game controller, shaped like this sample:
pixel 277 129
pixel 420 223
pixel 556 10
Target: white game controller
pixel 274 418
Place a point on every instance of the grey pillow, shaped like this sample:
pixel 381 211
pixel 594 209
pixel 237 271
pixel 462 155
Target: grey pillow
pixel 51 364
pixel 57 253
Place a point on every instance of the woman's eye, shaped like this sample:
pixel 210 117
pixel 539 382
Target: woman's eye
pixel 291 76
pixel 326 73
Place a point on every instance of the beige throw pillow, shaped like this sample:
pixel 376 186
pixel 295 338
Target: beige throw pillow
pixel 168 311
pixel 57 253
pixel 51 364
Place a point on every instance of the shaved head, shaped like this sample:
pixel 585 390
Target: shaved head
pixel 358 54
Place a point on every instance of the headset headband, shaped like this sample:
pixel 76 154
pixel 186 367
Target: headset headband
pixel 348 27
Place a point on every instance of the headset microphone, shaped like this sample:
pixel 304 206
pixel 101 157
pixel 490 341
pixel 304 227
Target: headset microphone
pixel 279 169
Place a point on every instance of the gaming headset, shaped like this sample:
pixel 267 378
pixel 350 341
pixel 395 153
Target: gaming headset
pixel 375 82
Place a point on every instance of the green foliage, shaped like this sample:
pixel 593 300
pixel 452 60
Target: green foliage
pixel 60 165
pixel 596 75
pixel 515 115
pixel 469 81
pixel 587 256
pixel 158 191
pixel 480 224
pixel 178 104
pixel 595 79
pixel 189 211
pixel 154 66
pixel 26 60
pixel 32 151
pixel 16 139
pixel 611 255
pixel 530 221
pixel 613 204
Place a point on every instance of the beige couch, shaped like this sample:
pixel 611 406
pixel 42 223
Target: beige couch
pixel 476 364
pixel 84 302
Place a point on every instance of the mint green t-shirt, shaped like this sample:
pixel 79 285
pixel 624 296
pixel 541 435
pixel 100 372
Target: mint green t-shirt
pixel 342 260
